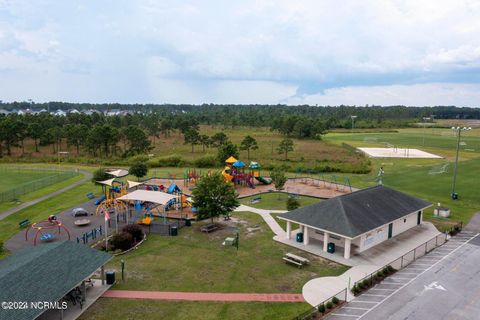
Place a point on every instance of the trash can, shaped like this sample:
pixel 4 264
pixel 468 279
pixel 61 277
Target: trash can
pixel 188 222
pixel 173 231
pixel 331 247
pixel 300 237
pixel 455 196
pixel 110 277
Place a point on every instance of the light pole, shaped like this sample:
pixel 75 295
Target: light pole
pixel 457 131
pixel 353 122
pixel 424 126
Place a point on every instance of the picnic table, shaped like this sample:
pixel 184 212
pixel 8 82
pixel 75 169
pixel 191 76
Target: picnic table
pixel 209 228
pixel 296 260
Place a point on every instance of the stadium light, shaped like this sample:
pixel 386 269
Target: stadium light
pixel 457 131
pixel 353 121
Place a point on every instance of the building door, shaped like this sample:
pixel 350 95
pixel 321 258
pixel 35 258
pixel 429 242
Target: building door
pixel 419 217
pixel 390 230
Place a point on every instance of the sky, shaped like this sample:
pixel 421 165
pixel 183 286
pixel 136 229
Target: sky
pixel 383 52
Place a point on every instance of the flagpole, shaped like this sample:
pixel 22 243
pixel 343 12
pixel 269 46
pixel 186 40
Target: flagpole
pixel 106 232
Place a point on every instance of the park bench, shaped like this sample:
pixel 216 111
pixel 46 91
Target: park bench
pixel 255 200
pixel 296 260
pixel 90 195
pixel 209 228
pixel 24 223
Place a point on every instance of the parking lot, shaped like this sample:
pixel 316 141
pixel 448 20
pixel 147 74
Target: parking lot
pixel 415 291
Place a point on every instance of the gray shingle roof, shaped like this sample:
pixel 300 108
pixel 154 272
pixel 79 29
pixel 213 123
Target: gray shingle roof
pixel 45 273
pixel 358 212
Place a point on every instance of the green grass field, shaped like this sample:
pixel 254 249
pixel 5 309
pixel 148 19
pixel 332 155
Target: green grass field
pixel 276 201
pixel 13 177
pixel 195 261
pixel 107 309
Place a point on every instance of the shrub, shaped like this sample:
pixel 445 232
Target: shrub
pixel 171 161
pixel 380 274
pixel 138 169
pixel 390 269
pixel 122 240
pixel 335 300
pixel 366 283
pixel 292 203
pixel 1 246
pixel 385 271
pixel 321 308
pixel 329 305
pixel 100 175
pixel 360 286
pixel 355 289
pixel 135 231
pixel 138 158
pixel 207 161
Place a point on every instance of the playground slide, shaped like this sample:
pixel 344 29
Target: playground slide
pixel 227 176
pixel 100 200
pixel 264 180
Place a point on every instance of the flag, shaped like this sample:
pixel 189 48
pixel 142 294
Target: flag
pixel 107 216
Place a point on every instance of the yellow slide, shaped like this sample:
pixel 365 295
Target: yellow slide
pixel 226 176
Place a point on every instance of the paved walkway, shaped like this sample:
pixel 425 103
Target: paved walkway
pixel 86 176
pixel 265 214
pixel 204 296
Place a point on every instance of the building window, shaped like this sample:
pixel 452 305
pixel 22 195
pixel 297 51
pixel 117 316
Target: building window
pixel 404 220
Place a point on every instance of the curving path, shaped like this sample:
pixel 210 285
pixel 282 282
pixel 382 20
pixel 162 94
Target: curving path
pixel 265 214
pixel 86 176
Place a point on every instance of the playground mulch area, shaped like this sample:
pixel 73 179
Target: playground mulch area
pixel 301 186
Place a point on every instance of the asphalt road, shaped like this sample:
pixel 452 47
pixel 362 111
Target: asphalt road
pixel 444 284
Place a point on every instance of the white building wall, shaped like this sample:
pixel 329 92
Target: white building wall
pixel 373 238
pixel 404 224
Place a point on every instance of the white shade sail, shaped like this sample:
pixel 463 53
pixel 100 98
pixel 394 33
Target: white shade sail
pixel 149 196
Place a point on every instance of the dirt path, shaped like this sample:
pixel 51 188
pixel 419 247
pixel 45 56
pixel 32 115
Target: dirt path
pixel 86 176
pixel 205 296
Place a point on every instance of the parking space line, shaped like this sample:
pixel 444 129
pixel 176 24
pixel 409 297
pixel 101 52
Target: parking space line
pixel 373 295
pixel 355 308
pixel 401 278
pixel 345 315
pixel 382 289
pixel 362 301
pixel 416 277
pixel 405 273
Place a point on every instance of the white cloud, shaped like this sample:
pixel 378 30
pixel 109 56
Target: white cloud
pixel 266 48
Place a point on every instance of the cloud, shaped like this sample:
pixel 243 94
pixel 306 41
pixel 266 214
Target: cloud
pixel 270 51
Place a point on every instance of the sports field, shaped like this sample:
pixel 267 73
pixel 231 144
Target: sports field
pixel 15 177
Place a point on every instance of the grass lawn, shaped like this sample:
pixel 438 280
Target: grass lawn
pixel 195 261
pixel 107 309
pixel 276 201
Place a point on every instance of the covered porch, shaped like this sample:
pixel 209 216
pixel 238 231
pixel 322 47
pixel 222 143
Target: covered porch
pixel 380 255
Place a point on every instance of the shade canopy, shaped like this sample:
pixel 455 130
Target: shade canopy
pixel 132 184
pixel 254 165
pixel 231 160
pixel 238 164
pixel 118 172
pixel 108 182
pixel 149 196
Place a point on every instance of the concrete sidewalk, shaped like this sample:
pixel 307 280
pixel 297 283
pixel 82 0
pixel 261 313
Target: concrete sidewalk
pixel 267 217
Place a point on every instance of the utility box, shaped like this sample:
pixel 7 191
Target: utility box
pixel 173 231
pixel 443 212
pixel 331 247
pixel 300 237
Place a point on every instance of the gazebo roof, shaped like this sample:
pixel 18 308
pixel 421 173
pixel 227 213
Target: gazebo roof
pixel 238 164
pixel 231 160
pixel 45 273
pixel 254 165
pixel 150 196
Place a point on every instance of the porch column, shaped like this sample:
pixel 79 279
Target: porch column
pixel 289 230
pixel 306 239
pixel 302 228
pixel 348 244
pixel 84 290
pixel 326 238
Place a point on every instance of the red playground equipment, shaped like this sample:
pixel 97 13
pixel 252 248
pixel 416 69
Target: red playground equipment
pixel 46 229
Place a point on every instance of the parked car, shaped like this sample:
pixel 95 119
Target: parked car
pixel 79 212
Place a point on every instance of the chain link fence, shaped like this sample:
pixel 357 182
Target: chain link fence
pixel 54 176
